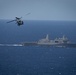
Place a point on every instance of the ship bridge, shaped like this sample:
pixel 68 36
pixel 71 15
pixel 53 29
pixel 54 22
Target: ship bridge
pixel 44 40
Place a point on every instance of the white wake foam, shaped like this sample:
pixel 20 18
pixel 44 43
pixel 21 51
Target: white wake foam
pixel 11 45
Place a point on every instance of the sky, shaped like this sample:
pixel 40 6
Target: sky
pixel 39 9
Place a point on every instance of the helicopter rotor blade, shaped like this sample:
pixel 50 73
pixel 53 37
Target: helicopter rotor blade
pixel 20 17
pixel 28 13
pixel 11 21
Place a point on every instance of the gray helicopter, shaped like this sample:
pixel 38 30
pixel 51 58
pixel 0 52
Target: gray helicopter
pixel 18 21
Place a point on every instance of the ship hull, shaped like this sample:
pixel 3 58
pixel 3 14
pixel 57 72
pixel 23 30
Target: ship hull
pixel 49 44
pixel 66 45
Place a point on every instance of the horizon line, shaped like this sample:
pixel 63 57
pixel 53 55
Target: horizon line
pixel 39 20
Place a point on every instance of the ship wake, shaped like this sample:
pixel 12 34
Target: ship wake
pixel 10 45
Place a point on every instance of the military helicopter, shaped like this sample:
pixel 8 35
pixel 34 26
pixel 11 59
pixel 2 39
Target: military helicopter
pixel 18 21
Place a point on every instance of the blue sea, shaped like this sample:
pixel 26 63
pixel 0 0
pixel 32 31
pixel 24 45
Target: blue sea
pixel 36 60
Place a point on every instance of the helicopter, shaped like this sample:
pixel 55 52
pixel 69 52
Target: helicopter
pixel 18 21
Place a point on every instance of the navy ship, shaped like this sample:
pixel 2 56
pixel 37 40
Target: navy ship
pixel 57 42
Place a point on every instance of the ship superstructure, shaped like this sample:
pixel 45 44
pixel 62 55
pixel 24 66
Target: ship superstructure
pixel 47 41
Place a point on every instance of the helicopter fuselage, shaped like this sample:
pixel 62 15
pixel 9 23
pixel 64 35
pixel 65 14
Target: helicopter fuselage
pixel 19 22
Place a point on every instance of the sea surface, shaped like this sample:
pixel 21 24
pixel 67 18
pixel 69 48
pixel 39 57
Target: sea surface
pixel 36 60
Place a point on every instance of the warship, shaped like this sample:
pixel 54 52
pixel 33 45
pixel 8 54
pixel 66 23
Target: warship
pixel 57 42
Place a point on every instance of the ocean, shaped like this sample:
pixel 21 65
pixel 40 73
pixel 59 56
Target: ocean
pixel 36 60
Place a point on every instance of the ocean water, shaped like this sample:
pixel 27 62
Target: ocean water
pixel 36 60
